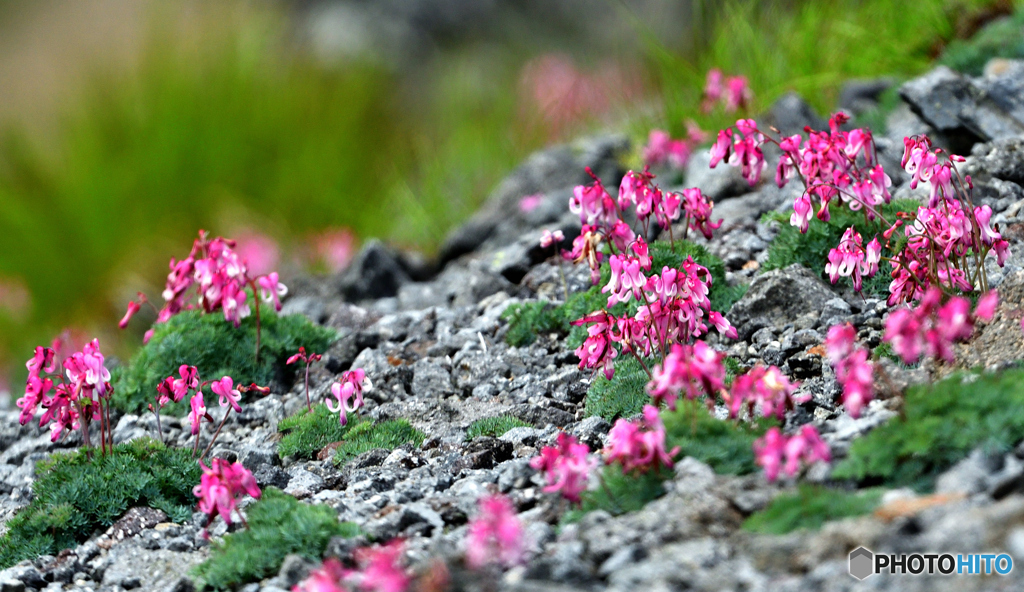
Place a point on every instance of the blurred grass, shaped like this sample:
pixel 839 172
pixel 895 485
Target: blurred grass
pixel 234 126
pixel 809 47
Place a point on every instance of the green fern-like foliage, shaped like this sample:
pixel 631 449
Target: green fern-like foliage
pixel 943 423
pixel 217 348
pixel 305 433
pixel 75 495
pixel 528 319
pixel 725 445
pixel 367 436
pixel 620 493
pixel 279 525
pixel 622 396
pixel 495 427
pixel 810 507
pixel 625 394
pixel 811 249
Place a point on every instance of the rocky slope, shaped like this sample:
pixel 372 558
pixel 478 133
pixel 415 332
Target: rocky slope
pixel 432 342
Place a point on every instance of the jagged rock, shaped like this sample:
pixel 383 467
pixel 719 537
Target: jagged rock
pixel 779 296
pixel 374 273
pixel 790 113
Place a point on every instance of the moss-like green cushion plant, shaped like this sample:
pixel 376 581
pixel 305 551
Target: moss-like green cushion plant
pixel 810 507
pixel 279 525
pixel 529 319
pixel 620 493
pixel 74 496
pixel 725 445
pixel 811 249
pixel 305 434
pixel 943 423
pixel 217 348
pixel 368 435
pixel 495 427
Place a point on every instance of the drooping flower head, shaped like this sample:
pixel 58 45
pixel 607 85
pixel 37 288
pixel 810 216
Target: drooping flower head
pixel 223 483
pixel 229 395
pixel 349 393
pixel 639 445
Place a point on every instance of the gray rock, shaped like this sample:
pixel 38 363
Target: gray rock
pixel 1002 159
pixel 790 113
pixel 717 183
pixel 374 273
pixel 303 483
pixel 430 380
pixel 779 296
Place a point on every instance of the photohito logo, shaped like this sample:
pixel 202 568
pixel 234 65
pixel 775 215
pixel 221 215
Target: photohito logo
pixel 864 563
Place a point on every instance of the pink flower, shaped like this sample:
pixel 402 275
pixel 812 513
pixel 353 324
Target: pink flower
pixel 639 445
pixel 767 388
pixel 351 387
pixel 530 203
pixel 592 203
pixel 382 569
pixel 302 356
pixel 198 412
pixel 229 396
pixel 495 536
pixel 326 578
pixel 805 447
pixel 133 307
pixel 688 371
pixel 851 259
pixel 258 252
pixel 738 94
pixel 853 369
pixel 722 325
pixel 722 148
pixel 566 467
pixel 271 290
pixel 597 350
pixel 626 280
pixel 698 212
pixel 802 212
pixel 933 327
pixel 987 304
pixel 549 238
pixel 334 248
pixel 713 89
pixel 221 486
pixel 585 248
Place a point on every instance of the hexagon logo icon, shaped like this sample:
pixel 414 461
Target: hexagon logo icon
pixel 862 563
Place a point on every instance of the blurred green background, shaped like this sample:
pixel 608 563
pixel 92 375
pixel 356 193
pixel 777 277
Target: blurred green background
pixel 127 126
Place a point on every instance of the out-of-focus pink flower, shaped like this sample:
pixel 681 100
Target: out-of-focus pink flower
pixel 220 487
pixel 566 467
pixel 687 370
pixel 804 448
pixel 530 203
pixel 258 252
pixel 326 578
pixel 767 388
pixel 133 307
pixel 381 568
pixel 737 94
pixel 548 238
pixel 334 248
pixel 987 304
pixel 639 445
pixel 495 536
pixel 15 297
pixel 229 395
pixel 854 371
pixel 350 388
pixel 593 203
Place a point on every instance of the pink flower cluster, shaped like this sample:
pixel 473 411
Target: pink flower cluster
pixel 662 149
pixel 349 393
pixel 805 447
pixel 79 397
pixel 380 571
pixel 742 149
pixel 566 467
pixel 852 259
pixel 933 327
pixel 854 370
pixel 943 235
pixel 687 370
pixel 764 388
pixel 639 445
pixel 496 536
pixel 221 486
pixel 175 389
pixel 732 92
pixel 220 278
